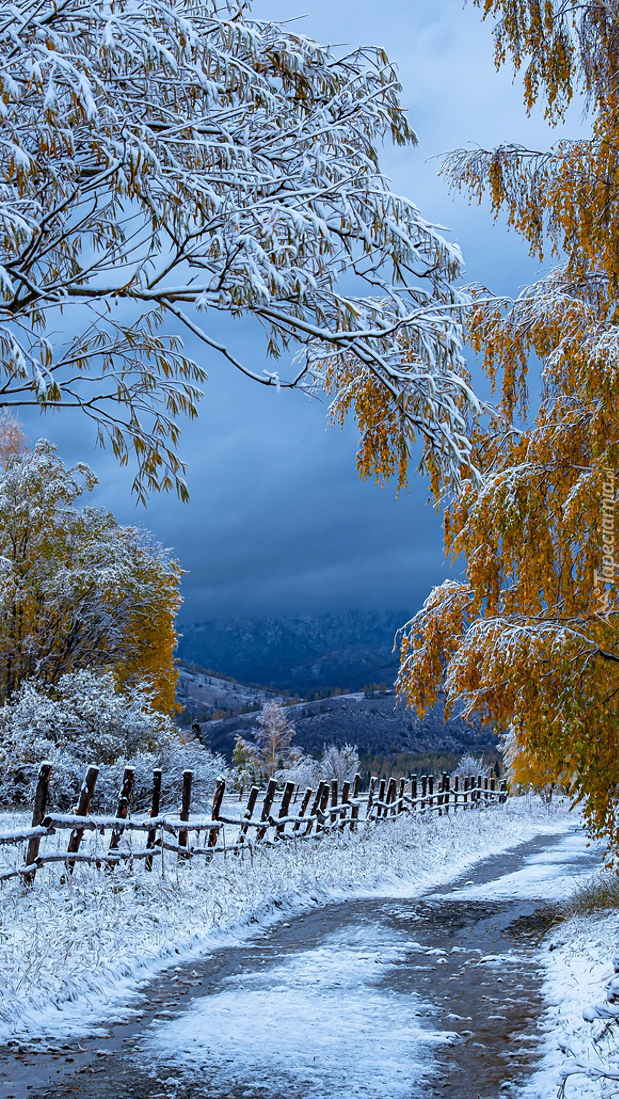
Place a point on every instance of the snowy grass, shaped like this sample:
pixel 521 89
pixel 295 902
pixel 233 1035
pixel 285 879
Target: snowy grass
pixel 73 953
pixel 580 1046
pixel 598 893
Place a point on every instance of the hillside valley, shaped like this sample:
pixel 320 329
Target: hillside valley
pixel 305 654
pixel 373 721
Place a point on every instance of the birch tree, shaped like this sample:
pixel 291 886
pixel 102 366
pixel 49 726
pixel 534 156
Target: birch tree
pixel 528 640
pixel 77 590
pixel 269 749
pixel 164 163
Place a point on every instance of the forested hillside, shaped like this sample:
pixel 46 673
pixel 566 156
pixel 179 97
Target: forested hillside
pixel 313 652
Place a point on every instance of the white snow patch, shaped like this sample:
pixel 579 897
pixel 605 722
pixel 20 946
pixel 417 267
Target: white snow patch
pixel 545 876
pixel 317 1021
pixel 577 970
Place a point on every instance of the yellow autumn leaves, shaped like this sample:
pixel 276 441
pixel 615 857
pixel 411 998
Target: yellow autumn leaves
pixel 524 641
pixel 77 589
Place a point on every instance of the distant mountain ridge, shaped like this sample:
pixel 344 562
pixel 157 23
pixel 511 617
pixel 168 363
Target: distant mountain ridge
pixel 374 725
pixel 321 652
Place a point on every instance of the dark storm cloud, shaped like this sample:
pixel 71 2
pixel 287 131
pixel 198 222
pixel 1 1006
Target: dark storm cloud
pixel 278 522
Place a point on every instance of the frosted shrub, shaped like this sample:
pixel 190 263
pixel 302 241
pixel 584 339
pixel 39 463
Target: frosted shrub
pixel 86 720
pixel 469 767
pixel 173 760
pixel 339 764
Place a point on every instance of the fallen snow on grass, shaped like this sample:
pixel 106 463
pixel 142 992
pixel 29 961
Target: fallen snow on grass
pixel 316 1025
pixel 578 963
pixel 74 952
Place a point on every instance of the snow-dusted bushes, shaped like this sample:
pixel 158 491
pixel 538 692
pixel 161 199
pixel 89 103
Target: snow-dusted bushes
pixel 85 720
pixel 173 760
pixel 339 764
pixel 469 767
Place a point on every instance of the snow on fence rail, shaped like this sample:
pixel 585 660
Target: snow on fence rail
pixel 322 811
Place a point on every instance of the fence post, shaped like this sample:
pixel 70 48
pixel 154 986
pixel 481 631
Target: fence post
pixel 122 809
pixel 479 788
pixel 344 805
pixel 285 804
pixel 183 833
pixel 456 791
pixel 83 805
pixel 304 804
pixel 154 812
pixel 218 797
pixel 267 805
pixel 401 794
pixel 414 805
pixel 391 796
pixel 354 812
pixel 314 810
pixel 247 815
pixel 38 813
pixel 446 792
pixel 502 792
pixel 431 791
pixel 334 794
pixel 381 812
pixel 371 792
pixel 323 806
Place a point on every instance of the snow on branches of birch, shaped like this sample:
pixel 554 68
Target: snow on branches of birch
pixel 162 163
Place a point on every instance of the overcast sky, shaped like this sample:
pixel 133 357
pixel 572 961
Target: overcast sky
pixel 278 522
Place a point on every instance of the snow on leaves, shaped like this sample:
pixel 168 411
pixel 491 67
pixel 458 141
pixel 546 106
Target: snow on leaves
pixel 529 641
pixel 161 162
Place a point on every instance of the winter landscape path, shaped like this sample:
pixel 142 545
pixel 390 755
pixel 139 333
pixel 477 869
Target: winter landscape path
pixel 384 997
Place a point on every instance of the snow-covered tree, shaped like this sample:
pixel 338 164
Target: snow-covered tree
pixel 77 590
pixel 469 767
pixel 82 720
pixel 167 161
pixel 85 719
pixel 339 763
pixel 528 639
pixel 269 749
pixel 86 714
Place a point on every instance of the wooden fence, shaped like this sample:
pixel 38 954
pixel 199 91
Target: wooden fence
pixel 270 817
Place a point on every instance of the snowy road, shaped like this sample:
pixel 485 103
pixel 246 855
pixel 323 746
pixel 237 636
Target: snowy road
pixel 383 998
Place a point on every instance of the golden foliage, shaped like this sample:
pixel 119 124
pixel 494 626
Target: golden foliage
pixel 529 640
pixel 77 590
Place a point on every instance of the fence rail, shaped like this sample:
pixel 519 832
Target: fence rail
pixel 321 812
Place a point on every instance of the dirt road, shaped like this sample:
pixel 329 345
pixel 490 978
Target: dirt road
pixel 384 998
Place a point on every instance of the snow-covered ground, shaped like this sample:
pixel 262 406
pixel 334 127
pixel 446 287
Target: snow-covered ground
pixel 320 1024
pixel 578 963
pixel 74 952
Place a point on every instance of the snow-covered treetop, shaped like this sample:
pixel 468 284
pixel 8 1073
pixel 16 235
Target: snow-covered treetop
pixel 162 161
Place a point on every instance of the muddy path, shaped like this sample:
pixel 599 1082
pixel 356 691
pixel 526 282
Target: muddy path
pixel 385 998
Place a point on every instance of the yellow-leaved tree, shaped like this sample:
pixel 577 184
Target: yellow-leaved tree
pixel 77 589
pixel 529 639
